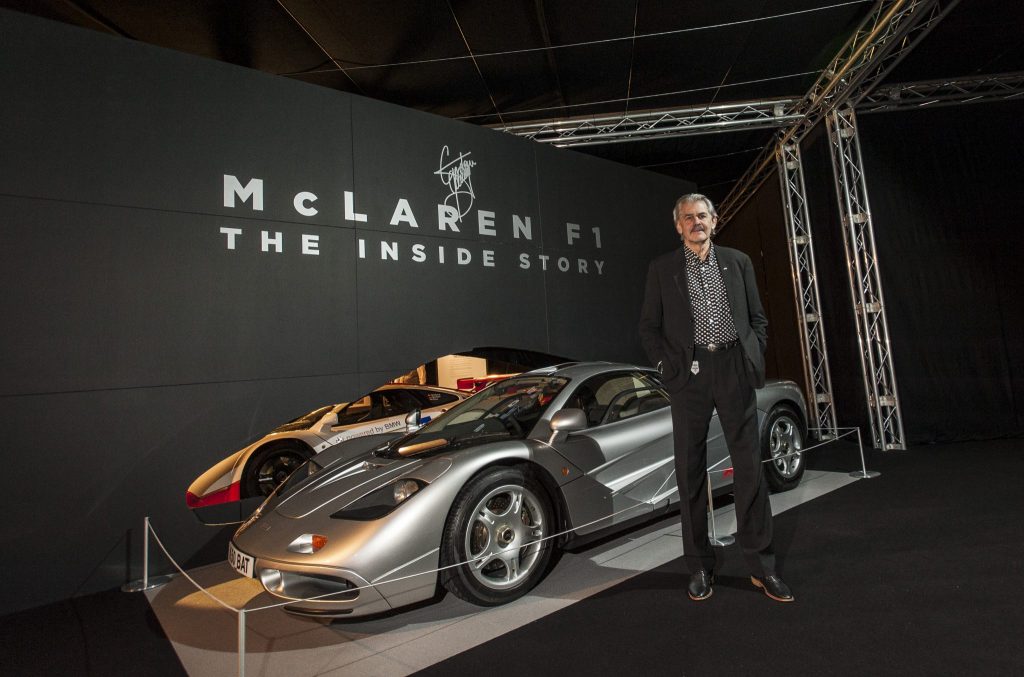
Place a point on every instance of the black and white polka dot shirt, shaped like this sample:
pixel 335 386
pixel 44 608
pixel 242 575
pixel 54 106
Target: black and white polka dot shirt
pixel 712 316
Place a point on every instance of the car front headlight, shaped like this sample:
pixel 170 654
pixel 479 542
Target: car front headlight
pixel 382 501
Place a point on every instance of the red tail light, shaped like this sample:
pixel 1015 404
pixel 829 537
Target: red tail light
pixel 228 494
pixel 728 472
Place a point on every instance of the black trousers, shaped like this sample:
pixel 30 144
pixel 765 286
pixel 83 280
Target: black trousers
pixel 721 382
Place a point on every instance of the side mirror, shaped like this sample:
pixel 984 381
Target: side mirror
pixel 327 422
pixel 413 421
pixel 566 421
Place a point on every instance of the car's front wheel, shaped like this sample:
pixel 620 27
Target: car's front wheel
pixel 497 526
pixel 782 442
pixel 271 465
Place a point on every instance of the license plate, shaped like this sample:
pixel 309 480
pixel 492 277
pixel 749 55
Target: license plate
pixel 240 562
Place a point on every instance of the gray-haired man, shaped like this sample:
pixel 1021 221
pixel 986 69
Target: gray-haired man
pixel 703 324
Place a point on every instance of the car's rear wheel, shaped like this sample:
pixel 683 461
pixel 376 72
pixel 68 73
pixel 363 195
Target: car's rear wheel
pixel 271 465
pixel 782 442
pixel 497 526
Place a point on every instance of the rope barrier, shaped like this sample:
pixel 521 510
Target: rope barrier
pixel 637 506
pixel 242 612
pixel 453 566
pixel 799 452
pixel 379 582
pixel 222 524
pixel 183 573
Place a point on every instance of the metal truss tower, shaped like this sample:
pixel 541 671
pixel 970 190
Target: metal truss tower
pixel 865 284
pixel 891 30
pixel 817 378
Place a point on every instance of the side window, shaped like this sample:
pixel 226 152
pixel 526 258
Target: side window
pixel 397 402
pixel 634 402
pixel 615 397
pixel 432 398
pixel 355 412
pixel 648 396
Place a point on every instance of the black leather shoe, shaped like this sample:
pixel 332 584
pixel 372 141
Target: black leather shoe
pixel 773 587
pixel 700 585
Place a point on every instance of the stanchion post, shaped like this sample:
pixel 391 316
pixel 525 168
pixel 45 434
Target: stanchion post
pixel 241 643
pixel 714 539
pixel 863 473
pixel 145 583
pixel 145 552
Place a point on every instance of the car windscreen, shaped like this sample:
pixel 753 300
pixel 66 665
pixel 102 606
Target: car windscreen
pixel 508 409
pixel 304 421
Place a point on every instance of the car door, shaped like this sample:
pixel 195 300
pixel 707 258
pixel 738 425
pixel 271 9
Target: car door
pixel 625 453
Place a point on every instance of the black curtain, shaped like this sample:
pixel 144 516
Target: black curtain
pixel 948 210
pixel 948 217
pixel 759 230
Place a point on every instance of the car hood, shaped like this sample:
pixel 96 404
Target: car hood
pixel 354 468
pixel 352 471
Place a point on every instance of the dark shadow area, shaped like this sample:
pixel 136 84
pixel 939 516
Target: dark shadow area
pixel 842 455
pixel 107 633
pixel 215 549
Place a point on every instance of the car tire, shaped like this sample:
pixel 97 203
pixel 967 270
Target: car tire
pixel 781 439
pixel 506 553
pixel 271 465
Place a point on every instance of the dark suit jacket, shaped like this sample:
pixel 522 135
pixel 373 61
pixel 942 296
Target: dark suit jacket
pixel 666 321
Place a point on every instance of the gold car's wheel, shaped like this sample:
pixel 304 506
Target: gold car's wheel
pixel 272 465
pixel 497 527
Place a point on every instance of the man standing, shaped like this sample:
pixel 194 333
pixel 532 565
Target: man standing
pixel 702 323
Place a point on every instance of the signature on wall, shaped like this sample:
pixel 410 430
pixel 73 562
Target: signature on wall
pixel 457 175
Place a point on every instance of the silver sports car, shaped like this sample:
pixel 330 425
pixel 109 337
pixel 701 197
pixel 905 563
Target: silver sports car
pixel 471 500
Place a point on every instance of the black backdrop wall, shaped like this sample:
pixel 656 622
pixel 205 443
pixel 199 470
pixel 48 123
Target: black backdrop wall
pixel 759 230
pixel 194 252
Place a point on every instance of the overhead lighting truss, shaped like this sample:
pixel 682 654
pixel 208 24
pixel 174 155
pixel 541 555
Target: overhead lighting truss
pixel 927 93
pixel 761 114
pixel 893 28
pixel 882 40
pixel 658 124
